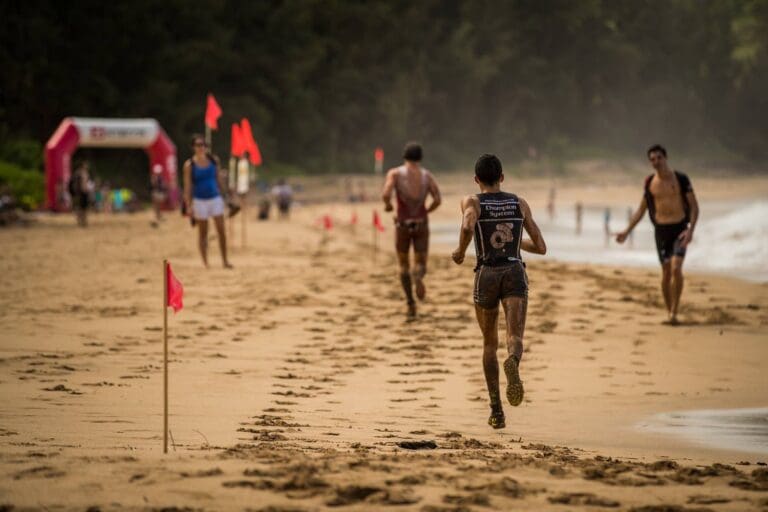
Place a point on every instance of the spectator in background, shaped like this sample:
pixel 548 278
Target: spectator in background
pixel 283 194
pixel 106 198
pixel 204 187
pixel 159 192
pixel 79 187
pixel 551 203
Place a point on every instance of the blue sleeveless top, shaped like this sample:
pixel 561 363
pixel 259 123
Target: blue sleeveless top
pixel 204 184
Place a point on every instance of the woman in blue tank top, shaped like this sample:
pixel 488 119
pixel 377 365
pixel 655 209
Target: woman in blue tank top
pixel 202 196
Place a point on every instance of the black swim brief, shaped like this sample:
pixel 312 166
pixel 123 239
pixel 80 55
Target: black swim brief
pixel 412 232
pixel 493 284
pixel 668 240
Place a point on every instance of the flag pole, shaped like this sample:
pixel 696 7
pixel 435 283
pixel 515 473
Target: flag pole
pixel 165 356
pixel 244 226
pixel 375 241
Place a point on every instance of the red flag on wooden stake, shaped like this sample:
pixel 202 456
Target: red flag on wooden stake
pixel 249 143
pixel 175 290
pixel 212 113
pixel 327 222
pixel 237 143
pixel 377 221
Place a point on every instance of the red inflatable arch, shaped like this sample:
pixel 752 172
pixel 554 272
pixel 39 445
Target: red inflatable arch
pixel 74 132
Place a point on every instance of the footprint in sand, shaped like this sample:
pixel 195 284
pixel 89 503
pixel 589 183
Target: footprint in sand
pixel 63 389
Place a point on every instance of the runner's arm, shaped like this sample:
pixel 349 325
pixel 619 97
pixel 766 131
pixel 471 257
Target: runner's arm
pixel 434 191
pixel 389 187
pixel 636 217
pixel 536 244
pixel 187 172
pixel 687 235
pixel 469 210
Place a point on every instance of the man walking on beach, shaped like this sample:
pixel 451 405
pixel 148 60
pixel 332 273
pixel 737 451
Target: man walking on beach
pixel 497 219
pixel 411 184
pixel 672 207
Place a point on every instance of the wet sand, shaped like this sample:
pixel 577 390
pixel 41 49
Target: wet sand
pixel 297 384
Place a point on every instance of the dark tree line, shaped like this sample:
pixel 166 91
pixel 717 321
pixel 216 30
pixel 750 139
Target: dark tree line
pixel 325 81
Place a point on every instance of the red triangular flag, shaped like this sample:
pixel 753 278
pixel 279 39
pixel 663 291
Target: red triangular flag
pixel 175 290
pixel 249 143
pixel 378 155
pixel 237 145
pixel 353 220
pixel 212 113
pixel 377 221
pixel 327 222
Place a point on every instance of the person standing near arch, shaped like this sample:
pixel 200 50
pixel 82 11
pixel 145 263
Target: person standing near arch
pixel 80 186
pixel 411 183
pixel 203 188
pixel 672 207
pixel 496 220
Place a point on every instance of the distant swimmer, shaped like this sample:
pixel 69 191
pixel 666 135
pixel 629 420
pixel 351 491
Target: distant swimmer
pixel 579 215
pixel 672 207
pixel 411 184
pixel 497 219
pixel 203 188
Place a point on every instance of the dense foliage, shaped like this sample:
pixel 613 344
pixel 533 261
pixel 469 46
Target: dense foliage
pixel 25 185
pixel 325 81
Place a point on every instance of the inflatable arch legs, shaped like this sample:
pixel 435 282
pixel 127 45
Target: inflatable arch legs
pixel 74 132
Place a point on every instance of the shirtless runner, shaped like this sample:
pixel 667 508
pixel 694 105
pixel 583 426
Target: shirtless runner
pixel 672 207
pixel 411 184
pixel 496 219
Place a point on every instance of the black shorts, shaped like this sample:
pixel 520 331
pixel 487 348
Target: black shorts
pixel 668 241
pixel 493 284
pixel 409 232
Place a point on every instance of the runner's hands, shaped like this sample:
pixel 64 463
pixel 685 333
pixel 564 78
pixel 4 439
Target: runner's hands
pixel 458 256
pixel 388 207
pixel 685 237
pixel 620 237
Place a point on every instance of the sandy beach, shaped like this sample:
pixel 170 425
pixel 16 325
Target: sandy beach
pixel 296 384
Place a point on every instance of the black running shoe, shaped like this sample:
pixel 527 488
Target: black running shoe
pixel 496 420
pixel 514 384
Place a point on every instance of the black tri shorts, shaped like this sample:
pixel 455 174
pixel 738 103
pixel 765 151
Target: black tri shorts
pixel 493 284
pixel 668 240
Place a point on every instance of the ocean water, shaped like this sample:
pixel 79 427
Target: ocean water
pixel 733 429
pixel 731 238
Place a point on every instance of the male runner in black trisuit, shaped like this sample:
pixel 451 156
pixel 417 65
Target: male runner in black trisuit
pixel 668 196
pixel 497 220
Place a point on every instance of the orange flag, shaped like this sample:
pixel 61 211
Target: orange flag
pixel 353 220
pixel 175 290
pixel 212 113
pixel 377 221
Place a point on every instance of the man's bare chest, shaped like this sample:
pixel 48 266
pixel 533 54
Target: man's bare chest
pixel 666 193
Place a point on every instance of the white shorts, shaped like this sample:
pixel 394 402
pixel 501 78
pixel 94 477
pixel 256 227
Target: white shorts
pixel 203 209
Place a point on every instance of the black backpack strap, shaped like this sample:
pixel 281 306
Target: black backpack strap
pixel 649 199
pixel 685 187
